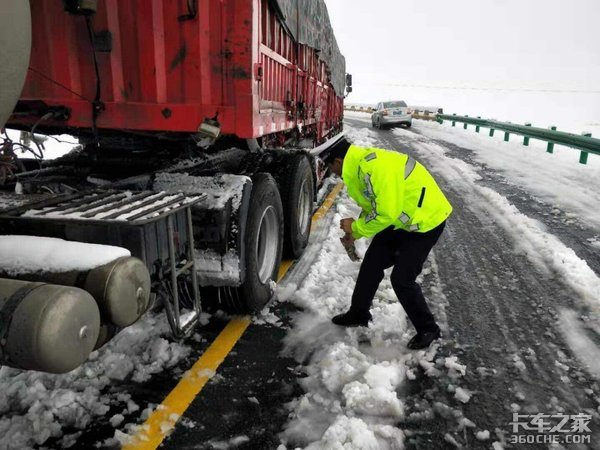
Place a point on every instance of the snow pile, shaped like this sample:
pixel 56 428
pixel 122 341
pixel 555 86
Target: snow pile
pixel 354 433
pixel 364 137
pixel 38 406
pixel 29 254
pixel 352 373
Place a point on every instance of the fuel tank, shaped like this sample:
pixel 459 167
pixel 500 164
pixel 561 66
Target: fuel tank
pixel 45 327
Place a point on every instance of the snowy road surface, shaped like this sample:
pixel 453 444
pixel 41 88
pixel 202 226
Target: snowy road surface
pixel 513 283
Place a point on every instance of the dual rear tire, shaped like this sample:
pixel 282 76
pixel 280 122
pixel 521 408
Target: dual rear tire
pixel 297 194
pixel 278 224
pixel 263 244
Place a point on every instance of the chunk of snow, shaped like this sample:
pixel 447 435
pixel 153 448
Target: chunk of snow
pixel 483 435
pixel 116 420
pixel 450 439
pixel 455 369
pixel 429 368
pixel 384 375
pixel 347 433
pixel 462 395
pixel 463 423
pixel 376 401
pixel 30 254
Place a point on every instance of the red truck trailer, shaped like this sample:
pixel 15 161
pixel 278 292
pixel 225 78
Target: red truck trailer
pixel 198 122
pixel 170 65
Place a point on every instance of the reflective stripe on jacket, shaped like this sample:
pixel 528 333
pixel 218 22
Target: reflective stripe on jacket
pixel 392 189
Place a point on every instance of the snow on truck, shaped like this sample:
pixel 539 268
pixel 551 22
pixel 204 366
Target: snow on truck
pixel 199 125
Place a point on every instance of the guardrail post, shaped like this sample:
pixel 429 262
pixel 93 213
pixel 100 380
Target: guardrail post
pixel 477 126
pixel 492 132
pixel 506 136
pixel 454 121
pixel 526 138
pixel 550 148
pixel 465 124
pixel 583 157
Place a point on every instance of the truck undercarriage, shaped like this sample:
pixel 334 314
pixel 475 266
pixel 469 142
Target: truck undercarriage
pixel 198 159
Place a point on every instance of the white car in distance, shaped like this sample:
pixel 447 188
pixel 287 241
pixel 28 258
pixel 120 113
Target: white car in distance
pixel 391 113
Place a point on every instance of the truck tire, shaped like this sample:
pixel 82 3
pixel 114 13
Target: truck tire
pixel 297 193
pixel 263 244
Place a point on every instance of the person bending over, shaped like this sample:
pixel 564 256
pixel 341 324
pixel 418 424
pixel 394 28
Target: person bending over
pixel 405 212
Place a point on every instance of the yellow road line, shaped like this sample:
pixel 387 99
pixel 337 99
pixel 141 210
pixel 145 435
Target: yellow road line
pixel 320 213
pixel 164 418
pixel 283 268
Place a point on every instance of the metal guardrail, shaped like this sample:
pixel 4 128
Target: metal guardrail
pixel 584 142
pixel 424 115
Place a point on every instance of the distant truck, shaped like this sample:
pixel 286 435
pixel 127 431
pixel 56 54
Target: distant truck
pixel 199 123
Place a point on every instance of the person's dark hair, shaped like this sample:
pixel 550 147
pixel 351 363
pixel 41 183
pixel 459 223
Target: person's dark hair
pixel 337 150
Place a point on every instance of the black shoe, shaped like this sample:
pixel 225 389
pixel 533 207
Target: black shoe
pixel 350 319
pixel 423 340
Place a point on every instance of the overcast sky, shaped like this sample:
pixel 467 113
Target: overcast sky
pixel 418 49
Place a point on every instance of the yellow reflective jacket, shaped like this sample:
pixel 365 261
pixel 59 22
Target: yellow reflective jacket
pixel 392 189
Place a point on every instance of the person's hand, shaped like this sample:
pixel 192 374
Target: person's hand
pixel 348 240
pixel 346 225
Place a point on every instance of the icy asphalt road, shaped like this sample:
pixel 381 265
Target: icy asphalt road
pixel 509 315
pixel 512 281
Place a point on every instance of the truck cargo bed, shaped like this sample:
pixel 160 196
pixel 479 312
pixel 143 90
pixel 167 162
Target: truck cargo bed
pixel 254 66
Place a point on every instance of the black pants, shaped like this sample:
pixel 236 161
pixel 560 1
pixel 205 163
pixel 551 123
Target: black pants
pixel 406 251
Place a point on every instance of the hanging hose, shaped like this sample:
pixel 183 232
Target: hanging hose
pixel 97 104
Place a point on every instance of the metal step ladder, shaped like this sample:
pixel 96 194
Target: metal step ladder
pixel 182 326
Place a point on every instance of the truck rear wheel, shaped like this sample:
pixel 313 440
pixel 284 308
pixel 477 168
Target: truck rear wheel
pixel 297 195
pixel 263 245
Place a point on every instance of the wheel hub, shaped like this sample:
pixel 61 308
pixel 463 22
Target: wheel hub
pixel 267 244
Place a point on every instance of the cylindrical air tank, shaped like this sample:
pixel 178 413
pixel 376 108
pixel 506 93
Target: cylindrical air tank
pixel 121 287
pixel 46 327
